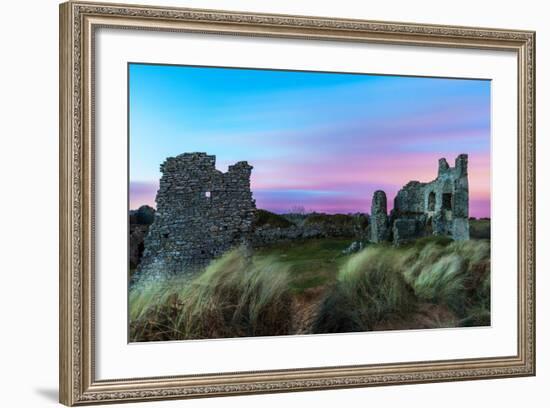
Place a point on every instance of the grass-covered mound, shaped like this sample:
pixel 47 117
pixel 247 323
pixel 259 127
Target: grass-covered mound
pixel 382 284
pixel 264 218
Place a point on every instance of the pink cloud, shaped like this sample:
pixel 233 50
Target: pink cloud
pixel 344 186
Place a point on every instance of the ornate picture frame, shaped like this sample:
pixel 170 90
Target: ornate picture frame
pixel 78 24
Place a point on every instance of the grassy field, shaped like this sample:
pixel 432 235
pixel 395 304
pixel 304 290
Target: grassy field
pixel 310 263
pixel 311 287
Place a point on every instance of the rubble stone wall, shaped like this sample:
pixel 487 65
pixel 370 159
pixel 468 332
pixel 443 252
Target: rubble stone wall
pixel 201 213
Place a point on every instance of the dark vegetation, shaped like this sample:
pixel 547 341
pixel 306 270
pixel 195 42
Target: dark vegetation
pixel 139 222
pixel 267 218
pixel 144 215
pixel 341 220
pixel 480 228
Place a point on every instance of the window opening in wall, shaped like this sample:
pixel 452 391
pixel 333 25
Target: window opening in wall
pixel 431 201
pixel 446 203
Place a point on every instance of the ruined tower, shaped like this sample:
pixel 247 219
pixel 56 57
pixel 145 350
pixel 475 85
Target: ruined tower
pixel 379 229
pixel 201 213
pixel 439 207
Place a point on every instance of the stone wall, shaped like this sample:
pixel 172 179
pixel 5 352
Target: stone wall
pixel 201 213
pixel 356 228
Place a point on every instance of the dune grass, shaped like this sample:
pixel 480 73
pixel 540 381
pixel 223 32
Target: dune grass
pixel 457 275
pixel 382 283
pixel 233 297
pixel 370 289
pixel 239 295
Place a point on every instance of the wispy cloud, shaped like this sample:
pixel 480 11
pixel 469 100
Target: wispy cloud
pixel 322 141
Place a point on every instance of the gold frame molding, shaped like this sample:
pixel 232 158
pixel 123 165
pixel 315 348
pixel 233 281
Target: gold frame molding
pixel 78 21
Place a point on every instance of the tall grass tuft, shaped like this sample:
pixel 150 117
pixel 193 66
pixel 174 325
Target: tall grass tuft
pixel 370 290
pixel 234 296
pixel 383 283
pixel 456 275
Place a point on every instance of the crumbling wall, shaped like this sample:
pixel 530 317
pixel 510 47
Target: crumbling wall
pixel 439 207
pixel 201 213
pixel 379 228
pixel 408 217
pixel 355 227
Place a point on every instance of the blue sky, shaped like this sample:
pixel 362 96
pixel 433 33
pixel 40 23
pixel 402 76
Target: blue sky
pixel 324 141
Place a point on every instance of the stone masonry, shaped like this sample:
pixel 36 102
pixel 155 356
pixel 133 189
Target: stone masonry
pixel 201 213
pixel 439 207
pixel 379 228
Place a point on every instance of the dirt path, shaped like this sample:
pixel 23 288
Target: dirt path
pixel 304 309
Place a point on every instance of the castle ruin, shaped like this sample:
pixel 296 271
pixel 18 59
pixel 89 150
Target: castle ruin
pixel 439 207
pixel 378 222
pixel 201 213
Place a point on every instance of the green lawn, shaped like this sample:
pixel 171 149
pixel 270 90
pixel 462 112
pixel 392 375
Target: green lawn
pixel 311 263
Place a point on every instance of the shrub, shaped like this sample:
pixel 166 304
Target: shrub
pixel 267 218
pixel 480 228
pixel 144 215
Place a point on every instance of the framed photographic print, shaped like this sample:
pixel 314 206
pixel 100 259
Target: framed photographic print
pixel 260 203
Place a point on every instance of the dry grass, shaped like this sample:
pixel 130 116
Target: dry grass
pixel 233 297
pixel 428 284
pixel 387 287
